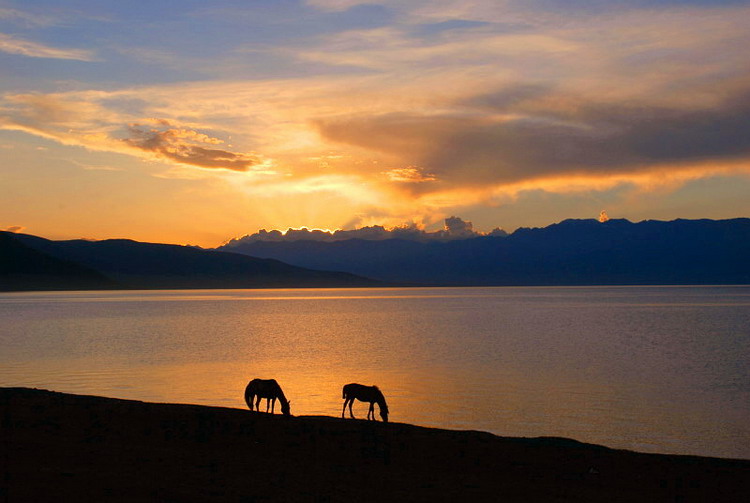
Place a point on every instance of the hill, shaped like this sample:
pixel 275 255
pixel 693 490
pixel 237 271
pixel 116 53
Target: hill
pixel 24 268
pixel 60 447
pixel 572 252
pixel 135 265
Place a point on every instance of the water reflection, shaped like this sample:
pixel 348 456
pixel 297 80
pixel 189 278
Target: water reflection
pixel 655 369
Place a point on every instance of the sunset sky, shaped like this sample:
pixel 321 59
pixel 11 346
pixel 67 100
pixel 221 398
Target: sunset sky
pixel 195 122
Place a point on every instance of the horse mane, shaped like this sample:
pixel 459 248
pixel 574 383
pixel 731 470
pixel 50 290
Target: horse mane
pixel 257 386
pixel 280 392
pixel 381 398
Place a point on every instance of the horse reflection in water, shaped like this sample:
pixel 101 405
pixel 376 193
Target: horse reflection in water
pixel 268 389
pixel 363 393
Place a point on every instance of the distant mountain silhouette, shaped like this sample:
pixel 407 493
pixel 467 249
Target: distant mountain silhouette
pixel 130 264
pixel 23 268
pixel 572 252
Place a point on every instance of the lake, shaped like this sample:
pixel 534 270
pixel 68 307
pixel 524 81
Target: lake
pixel 653 369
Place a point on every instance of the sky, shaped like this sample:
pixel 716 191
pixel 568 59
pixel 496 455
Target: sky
pixel 189 122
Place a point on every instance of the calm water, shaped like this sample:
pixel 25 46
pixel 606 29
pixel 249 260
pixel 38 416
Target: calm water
pixel 657 369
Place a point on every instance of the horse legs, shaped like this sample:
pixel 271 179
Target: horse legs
pixel 250 401
pixel 273 404
pixel 257 403
pixel 371 411
pixel 347 401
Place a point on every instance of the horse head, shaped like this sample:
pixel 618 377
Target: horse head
pixel 285 407
pixel 384 412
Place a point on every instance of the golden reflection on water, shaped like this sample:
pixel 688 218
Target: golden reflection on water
pixel 628 368
pixel 521 406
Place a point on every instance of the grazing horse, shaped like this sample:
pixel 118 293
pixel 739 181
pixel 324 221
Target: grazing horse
pixel 268 389
pixel 369 394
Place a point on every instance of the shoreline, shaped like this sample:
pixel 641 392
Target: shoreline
pixel 78 447
pixel 389 286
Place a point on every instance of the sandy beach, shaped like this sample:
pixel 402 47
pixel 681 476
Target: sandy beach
pixel 67 447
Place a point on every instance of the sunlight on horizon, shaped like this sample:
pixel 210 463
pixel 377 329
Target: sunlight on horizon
pixel 511 114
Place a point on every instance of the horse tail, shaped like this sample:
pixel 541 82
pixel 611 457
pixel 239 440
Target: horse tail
pixel 346 391
pixel 248 393
pixel 251 390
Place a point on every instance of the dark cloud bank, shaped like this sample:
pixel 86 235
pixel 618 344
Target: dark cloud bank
pixel 542 134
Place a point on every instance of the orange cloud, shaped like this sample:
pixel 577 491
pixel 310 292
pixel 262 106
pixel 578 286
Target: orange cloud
pixel 184 146
pixel 80 119
pixel 646 180
pixel 410 174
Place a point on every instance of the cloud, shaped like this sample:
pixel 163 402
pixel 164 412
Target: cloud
pixel 91 120
pixel 455 228
pixel 14 228
pixel 94 167
pixel 48 112
pixel 335 5
pixel 184 146
pixel 410 174
pixel 509 97
pixel 432 120
pixel 13 45
pixel 482 10
pixel 507 141
pixel 27 18
pixel 395 48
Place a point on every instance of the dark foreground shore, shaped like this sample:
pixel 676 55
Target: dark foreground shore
pixel 61 447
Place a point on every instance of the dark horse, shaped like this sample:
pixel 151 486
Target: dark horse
pixel 369 394
pixel 268 389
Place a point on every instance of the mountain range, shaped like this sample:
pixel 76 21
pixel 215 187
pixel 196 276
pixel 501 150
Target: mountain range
pixel 33 263
pixel 572 252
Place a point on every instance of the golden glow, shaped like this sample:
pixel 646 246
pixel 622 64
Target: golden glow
pixel 310 229
pixel 394 128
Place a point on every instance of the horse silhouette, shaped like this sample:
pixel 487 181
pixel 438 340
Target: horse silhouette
pixel 363 393
pixel 268 389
